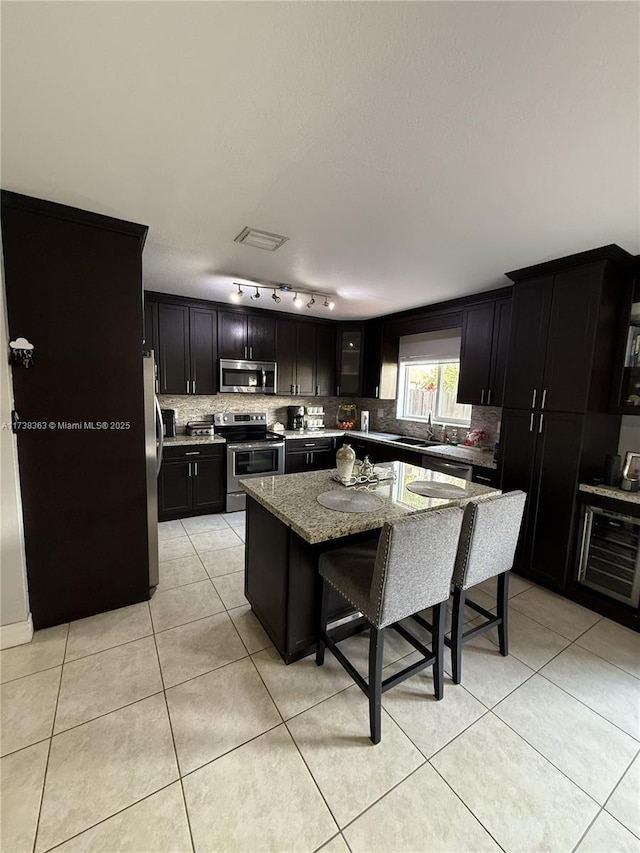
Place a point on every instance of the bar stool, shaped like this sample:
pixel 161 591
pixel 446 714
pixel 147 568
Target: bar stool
pixel 408 569
pixel 488 541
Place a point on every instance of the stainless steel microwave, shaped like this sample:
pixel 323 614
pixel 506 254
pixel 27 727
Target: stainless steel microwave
pixel 248 377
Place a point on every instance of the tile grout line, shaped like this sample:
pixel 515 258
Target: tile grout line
pixel 53 722
pixel 173 741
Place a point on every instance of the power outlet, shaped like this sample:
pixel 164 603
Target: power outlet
pixel 380 413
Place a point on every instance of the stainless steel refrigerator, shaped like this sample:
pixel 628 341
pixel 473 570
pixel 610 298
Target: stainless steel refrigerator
pixel 154 443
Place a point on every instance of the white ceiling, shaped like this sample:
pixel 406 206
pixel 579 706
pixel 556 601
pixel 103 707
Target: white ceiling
pixel 412 152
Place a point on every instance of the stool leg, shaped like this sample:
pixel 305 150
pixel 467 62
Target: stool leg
pixel 503 613
pixel 376 646
pixel 437 647
pixel 322 612
pixel 457 628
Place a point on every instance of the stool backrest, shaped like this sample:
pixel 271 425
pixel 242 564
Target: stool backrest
pixel 414 563
pixel 489 537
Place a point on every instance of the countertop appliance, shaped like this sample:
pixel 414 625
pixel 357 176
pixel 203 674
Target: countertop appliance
pixel 295 418
pixel 247 377
pixel 169 422
pixel 610 554
pixel 200 428
pixel 252 451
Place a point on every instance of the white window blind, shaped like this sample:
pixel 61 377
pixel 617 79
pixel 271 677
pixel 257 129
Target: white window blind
pixel 431 346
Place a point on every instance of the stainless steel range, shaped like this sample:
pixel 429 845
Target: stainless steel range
pixel 252 451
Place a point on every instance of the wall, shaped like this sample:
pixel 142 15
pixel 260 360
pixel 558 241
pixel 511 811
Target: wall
pixel 629 435
pixel 198 407
pixel 15 623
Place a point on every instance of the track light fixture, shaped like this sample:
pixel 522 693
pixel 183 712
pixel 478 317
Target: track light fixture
pixel 298 296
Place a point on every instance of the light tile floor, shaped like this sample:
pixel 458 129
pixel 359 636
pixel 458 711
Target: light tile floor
pixel 175 726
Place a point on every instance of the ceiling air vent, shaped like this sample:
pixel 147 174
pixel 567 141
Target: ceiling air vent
pixel 260 239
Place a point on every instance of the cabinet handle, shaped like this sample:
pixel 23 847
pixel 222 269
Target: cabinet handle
pixel 292 391
pixel 193 453
pixel 250 352
pixel 297 390
pixel 337 390
pixel 544 398
pixel 483 479
pixel 195 468
pixel 189 474
pixel 194 386
pixel 377 391
pixel 312 444
pixel 482 398
pixel 489 397
pixel 533 401
pixel 317 390
pixel 541 420
pixel 531 423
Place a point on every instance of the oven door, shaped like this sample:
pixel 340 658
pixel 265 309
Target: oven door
pixel 256 459
pixel 247 377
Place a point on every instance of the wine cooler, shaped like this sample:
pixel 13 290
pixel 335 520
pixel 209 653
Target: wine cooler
pixel 610 556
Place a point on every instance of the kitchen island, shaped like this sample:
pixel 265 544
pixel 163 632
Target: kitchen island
pixel 287 530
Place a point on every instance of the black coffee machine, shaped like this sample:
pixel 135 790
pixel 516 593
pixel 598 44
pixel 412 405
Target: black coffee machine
pixel 296 418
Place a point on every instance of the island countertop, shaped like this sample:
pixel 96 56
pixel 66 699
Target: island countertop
pixel 292 498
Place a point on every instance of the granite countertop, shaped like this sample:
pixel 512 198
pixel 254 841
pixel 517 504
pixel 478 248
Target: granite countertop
pixel 470 455
pixel 179 440
pixel 611 492
pixel 293 499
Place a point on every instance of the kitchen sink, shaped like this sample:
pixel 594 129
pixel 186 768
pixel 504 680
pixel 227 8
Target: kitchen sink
pixel 416 442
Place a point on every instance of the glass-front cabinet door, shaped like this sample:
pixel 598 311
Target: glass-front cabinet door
pixel 350 351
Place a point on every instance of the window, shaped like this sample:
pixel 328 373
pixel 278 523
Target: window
pixel 431 387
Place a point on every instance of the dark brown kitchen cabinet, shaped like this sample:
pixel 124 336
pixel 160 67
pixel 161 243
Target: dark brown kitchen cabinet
pixel 305 358
pixel 325 360
pixel 191 481
pixel 380 372
pixel 565 326
pixel 483 353
pixel 246 336
pixel 151 326
pixel 350 352
pixel 309 454
pixel 186 353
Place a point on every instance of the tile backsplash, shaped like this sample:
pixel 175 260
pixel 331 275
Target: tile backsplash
pixel 199 407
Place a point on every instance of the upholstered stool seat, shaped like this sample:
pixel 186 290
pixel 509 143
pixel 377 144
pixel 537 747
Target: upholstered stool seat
pixel 409 570
pixel 487 548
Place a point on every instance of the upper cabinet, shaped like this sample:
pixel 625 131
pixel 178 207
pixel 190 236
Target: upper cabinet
pixel 564 332
pixel 350 360
pixel 184 339
pixel 626 390
pixel 305 356
pixel 380 378
pixel 246 336
pixel 483 352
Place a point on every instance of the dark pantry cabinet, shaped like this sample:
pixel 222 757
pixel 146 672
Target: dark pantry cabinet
pixel 556 429
pixel 84 490
pixel 305 353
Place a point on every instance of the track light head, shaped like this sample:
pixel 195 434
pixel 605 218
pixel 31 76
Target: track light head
pixel 256 295
pixel 311 302
pixel 237 295
pixel 275 297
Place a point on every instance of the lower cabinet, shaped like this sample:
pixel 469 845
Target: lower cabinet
pixel 309 454
pixel 191 481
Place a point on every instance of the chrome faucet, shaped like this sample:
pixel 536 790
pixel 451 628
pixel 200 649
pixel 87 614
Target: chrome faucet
pixel 430 433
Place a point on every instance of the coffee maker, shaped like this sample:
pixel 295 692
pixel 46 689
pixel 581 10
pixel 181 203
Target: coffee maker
pixel 296 418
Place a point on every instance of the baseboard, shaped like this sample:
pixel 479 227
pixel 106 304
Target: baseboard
pixel 16 634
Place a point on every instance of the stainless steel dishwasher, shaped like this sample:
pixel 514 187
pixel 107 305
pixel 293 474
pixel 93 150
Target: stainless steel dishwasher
pixel 454 469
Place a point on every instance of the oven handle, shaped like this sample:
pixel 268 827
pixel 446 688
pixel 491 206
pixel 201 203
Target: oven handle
pixel 256 445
